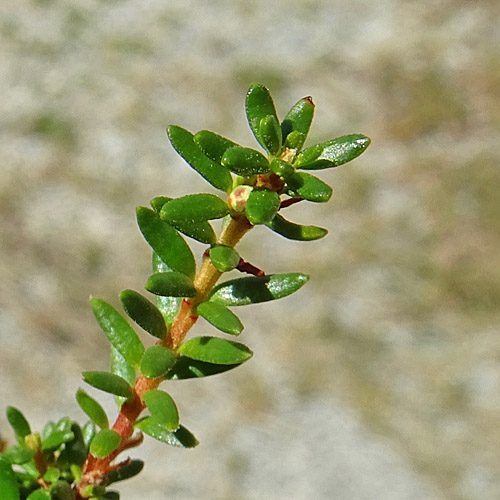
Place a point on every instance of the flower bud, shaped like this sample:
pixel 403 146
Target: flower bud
pixel 237 199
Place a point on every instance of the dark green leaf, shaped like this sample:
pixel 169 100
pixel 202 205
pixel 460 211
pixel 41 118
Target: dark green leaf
pixel 94 492
pixel 157 360
pixel 129 470
pixel 119 332
pixel 92 408
pixel 170 284
pixel 309 187
pixel 255 289
pixel 19 423
pixel 215 350
pixel 245 161
pixel 194 208
pixel 74 451
pixel 8 483
pixel 158 202
pixel 220 317
pixel 181 438
pixel 282 168
pixel 18 454
pixel 295 231
pixel 162 408
pixel 187 368
pixel 144 313
pixel 61 490
pixel 270 134
pixel 224 258
pixel 332 153
pixel 184 144
pixel 262 205
pixel 167 305
pixel 298 121
pixel 108 382
pixel 104 443
pixel 258 105
pixel 166 242
pixel 39 495
pixel 199 231
pixel 88 432
pixel 56 439
pixel 213 145
pixel 113 495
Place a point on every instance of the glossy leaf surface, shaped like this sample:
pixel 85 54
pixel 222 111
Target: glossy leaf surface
pixel 255 289
pixel 104 443
pixel 309 187
pixel 262 206
pixel 56 439
pixel 144 313
pixel 332 153
pixel 215 350
pixel 108 382
pixel 158 202
pixel 166 242
pixel 170 284
pixel 298 120
pixel 168 306
pixel 182 438
pixel 183 142
pixel 194 208
pixel 19 423
pixel 295 140
pixel 258 105
pixel 282 168
pixel 157 360
pixel 213 145
pixel 296 232
pixel 224 258
pixel 120 367
pixel 75 451
pixel 220 317
pixel 93 409
pixel 187 368
pixel 245 161
pixel 88 432
pixel 162 408
pixel 270 134
pixel 200 231
pixel 119 332
pixel 126 472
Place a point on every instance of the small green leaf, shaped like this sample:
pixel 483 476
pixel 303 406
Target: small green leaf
pixel 270 134
pixel 255 289
pixel 182 438
pixel 170 284
pixel 258 105
pixel 298 121
pixel 88 432
pixel 75 451
pixel 111 495
pixel 51 475
pixel 332 153
pixel 119 332
pixel 92 408
pixel 157 360
pixel 8 483
pixel 187 368
pixel 56 439
pixel 194 208
pixel 215 350
pixel 220 317
pixel 158 202
pixel 18 454
pixel 19 423
pixel 262 205
pixel 168 306
pixel 200 231
pixel 162 408
pixel 144 313
pixel 309 187
pixel 39 495
pixel 61 490
pixel 104 443
pixel 183 142
pixel 213 145
pixel 282 168
pixel 129 470
pixel 93 492
pixel 224 258
pixel 166 242
pixel 295 231
pixel 108 382
pixel 245 161
pixel 120 367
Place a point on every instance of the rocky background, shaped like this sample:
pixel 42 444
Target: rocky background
pixel 381 378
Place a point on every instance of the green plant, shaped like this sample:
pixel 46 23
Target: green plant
pixel 69 462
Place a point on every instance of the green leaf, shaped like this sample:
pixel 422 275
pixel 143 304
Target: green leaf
pixel 119 332
pixel 129 470
pixel 112 495
pixel 295 231
pixel 157 360
pixel 93 492
pixel 220 317
pixel 298 121
pixel 255 289
pixel 258 105
pixel 88 432
pixel 61 490
pixel 158 202
pixel 144 313
pixel 199 231
pixel 162 408
pixel 282 168
pixel 262 205
pixel 270 134
pixel 183 142
pixel 75 451
pixel 93 409
pixel 245 161
pixel 8 483
pixel 224 258
pixel 104 443
pixel 166 242
pixel 39 495
pixel 51 475
pixel 120 367
pixel 213 145
pixel 168 306
pixel 108 382
pixel 170 284
pixel 18 454
pixel 19 423
pixel 215 350
pixel 194 208
pixel 56 439
pixel 48 429
pixel 187 368
pixel 332 153
pixel 182 438
pixel 309 187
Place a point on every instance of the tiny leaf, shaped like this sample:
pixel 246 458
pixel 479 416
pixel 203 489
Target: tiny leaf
pixel 282 168
pixel 39 495
pixel 295 231
pixel 220 317
pixel 213 145
pixel 168 306
pixel 61 490
pixel 258 105
pixel 215 350
pixel 309 187
pixel 245 161
pixel 157 360
pixel 56 439
pixel 108 382
pixel 129 470
pixel 170 284
pixel 224 258
pixel 187 368
pixel 19 423
pixel 92 408
pixel 104 443
pixel 298 120
pixel 182 438
pixel 262 205
pixel 8 483
pixel 88 432
pixel 162 408
pixel 120 367
pixel 200 231
pixel 270 134
pixel 194 208
pixel 158 202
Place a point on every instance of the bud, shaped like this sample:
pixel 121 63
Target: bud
pixel 237 199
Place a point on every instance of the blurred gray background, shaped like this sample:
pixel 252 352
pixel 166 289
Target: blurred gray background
pixel 381 378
